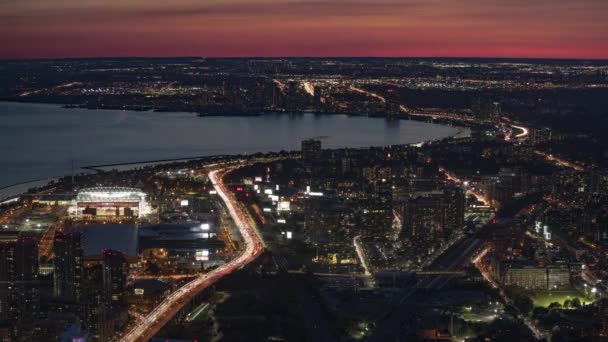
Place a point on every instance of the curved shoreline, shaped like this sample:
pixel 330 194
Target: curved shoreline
pixel 12 191
pixel 19 188
pixel 6 194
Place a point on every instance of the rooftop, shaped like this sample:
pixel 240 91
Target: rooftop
pixel 110 193
pixel 119 237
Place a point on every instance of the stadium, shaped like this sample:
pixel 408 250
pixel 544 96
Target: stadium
pixel 111 202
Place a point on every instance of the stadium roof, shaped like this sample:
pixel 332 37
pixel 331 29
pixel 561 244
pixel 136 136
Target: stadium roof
pixel 110 194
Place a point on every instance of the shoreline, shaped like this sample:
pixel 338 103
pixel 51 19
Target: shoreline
pixel 17 189
pixel 237 114
pixel 27 186
pixel 462 124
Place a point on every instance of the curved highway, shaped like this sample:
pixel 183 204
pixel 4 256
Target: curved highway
pixel 523 131
pixel 171 305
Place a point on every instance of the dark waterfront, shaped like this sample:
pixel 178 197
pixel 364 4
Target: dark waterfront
pixel 40 141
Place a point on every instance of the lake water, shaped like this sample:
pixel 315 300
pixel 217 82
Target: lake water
pixel 41 140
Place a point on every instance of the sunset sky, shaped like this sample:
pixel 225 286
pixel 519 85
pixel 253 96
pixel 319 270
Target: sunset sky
pixel 215 28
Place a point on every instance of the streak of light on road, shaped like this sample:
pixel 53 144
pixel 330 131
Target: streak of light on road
pixel 408 111
pixel 481 198
pixel 481 255
pixel 524 131
pixel 397 224
pixel 309 88
pixel 173 303
pixel 559 161
pixel 368 93
pixel 167 276
pixel 397 218
pixel 282 86
pixel 361 254
pixel 447 116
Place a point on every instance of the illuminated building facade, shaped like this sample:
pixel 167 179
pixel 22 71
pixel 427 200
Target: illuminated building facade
pixel 68 265
pixel 528 277
pixel 114 277
pixel 20 300
pixel 434 213
pixel 531 277
pixel 424 215
pixel 558 277
pixel 111 202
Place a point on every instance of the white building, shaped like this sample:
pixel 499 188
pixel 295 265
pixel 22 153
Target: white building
pixel 110 202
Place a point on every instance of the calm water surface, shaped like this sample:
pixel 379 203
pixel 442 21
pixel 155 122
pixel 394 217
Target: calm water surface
pixel 40 140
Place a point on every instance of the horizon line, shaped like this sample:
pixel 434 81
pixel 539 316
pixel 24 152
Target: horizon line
pixel 309 57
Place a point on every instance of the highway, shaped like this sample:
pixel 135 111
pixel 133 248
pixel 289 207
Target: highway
pixel 361 254
pixel 171 305
pixel 309 88
pixel 524 131
pixel 558 161
pixel 481 198
pixel 367 93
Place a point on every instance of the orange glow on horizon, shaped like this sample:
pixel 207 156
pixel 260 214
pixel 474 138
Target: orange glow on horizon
pixel 245 28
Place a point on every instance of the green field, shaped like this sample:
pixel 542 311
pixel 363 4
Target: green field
pixel 544 298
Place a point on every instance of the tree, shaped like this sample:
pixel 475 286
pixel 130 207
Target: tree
pixel 524 304
pixel 539 312
pixel 555 306
pixel 576 303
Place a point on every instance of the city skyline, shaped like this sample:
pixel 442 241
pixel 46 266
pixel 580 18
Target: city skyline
pixel 237 28
pixel 405 200
pixel 304 170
